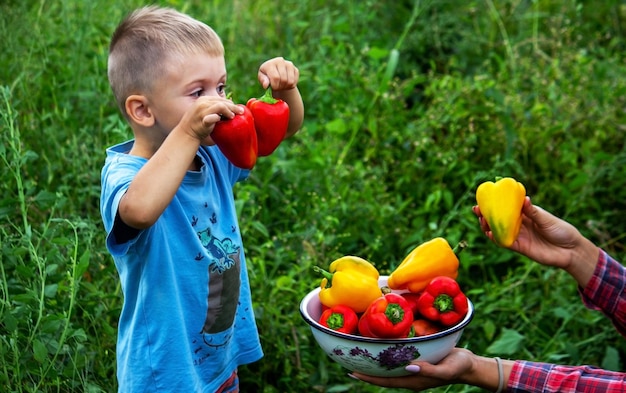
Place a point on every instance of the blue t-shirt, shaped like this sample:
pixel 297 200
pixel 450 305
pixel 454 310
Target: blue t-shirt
pixel 187 320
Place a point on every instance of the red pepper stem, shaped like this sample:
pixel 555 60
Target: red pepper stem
pixel 335 321
pixel 268 98
pixel 394 313
pixel 327 275
pixel 443 303
pixel 459 247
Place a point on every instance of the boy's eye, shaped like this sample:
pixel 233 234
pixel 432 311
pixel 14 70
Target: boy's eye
pixel 197 93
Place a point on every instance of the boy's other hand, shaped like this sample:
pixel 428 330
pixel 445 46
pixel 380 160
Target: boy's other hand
pixel 278 73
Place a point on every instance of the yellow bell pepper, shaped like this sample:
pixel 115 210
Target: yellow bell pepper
pixel 501 205
pixel 427 261
pixel 351 281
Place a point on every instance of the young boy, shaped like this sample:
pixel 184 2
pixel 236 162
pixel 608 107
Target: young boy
pixel 168 208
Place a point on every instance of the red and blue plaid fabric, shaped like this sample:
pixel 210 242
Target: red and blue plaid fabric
pixel 605 292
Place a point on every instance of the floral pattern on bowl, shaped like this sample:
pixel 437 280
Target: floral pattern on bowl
pixel 389 358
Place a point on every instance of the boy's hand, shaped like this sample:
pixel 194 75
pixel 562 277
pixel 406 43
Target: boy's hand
pixel 283 77
pixel 200 119
pixel 278 73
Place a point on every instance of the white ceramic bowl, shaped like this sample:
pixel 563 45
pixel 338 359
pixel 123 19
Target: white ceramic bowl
pixel 375 356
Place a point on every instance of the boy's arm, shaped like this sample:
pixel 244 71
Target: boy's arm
pixel 296 108
pixel 156 183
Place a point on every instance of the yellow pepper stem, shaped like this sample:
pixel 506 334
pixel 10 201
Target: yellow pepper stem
pixel 327 275
pixel 459 247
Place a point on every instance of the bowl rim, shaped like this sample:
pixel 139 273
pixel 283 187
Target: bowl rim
pixel 353 337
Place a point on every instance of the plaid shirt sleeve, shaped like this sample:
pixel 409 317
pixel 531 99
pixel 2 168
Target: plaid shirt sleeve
pixel 605 292
pixel 530 377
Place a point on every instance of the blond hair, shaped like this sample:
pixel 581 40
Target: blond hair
pixel 143 42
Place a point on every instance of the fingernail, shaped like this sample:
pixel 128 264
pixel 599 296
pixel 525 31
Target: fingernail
pixel 413 368
pixel 354 377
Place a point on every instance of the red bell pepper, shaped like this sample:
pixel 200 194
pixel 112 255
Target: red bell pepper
pixel 412 299
pixel 271 120
pixel 443 301
pixel 340 318
pixel 237 139
pixel 424 327
pixel 389 316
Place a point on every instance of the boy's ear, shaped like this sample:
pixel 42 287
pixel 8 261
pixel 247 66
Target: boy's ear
pixel 138 110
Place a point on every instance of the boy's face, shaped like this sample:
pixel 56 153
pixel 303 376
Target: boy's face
pixel 186 78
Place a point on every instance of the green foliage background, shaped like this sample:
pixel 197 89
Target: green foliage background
pixel 410 105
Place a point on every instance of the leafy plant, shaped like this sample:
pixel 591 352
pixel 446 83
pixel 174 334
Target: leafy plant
pixel 409 106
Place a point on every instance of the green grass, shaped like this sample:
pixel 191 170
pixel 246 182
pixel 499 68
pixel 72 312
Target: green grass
pixel 410 105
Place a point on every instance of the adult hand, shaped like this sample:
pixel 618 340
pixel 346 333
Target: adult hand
pixel 457 367
pixel 551 241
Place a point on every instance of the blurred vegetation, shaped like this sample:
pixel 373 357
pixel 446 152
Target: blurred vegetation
pixel 410 105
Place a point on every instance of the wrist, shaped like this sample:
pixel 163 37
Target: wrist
pixel 477 372
pixel 290 96
pixel 488 373
pixel 501 382
pixel 184 133
pixel 583 262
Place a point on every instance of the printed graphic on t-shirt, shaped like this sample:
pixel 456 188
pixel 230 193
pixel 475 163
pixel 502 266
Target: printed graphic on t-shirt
pixel 223 270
